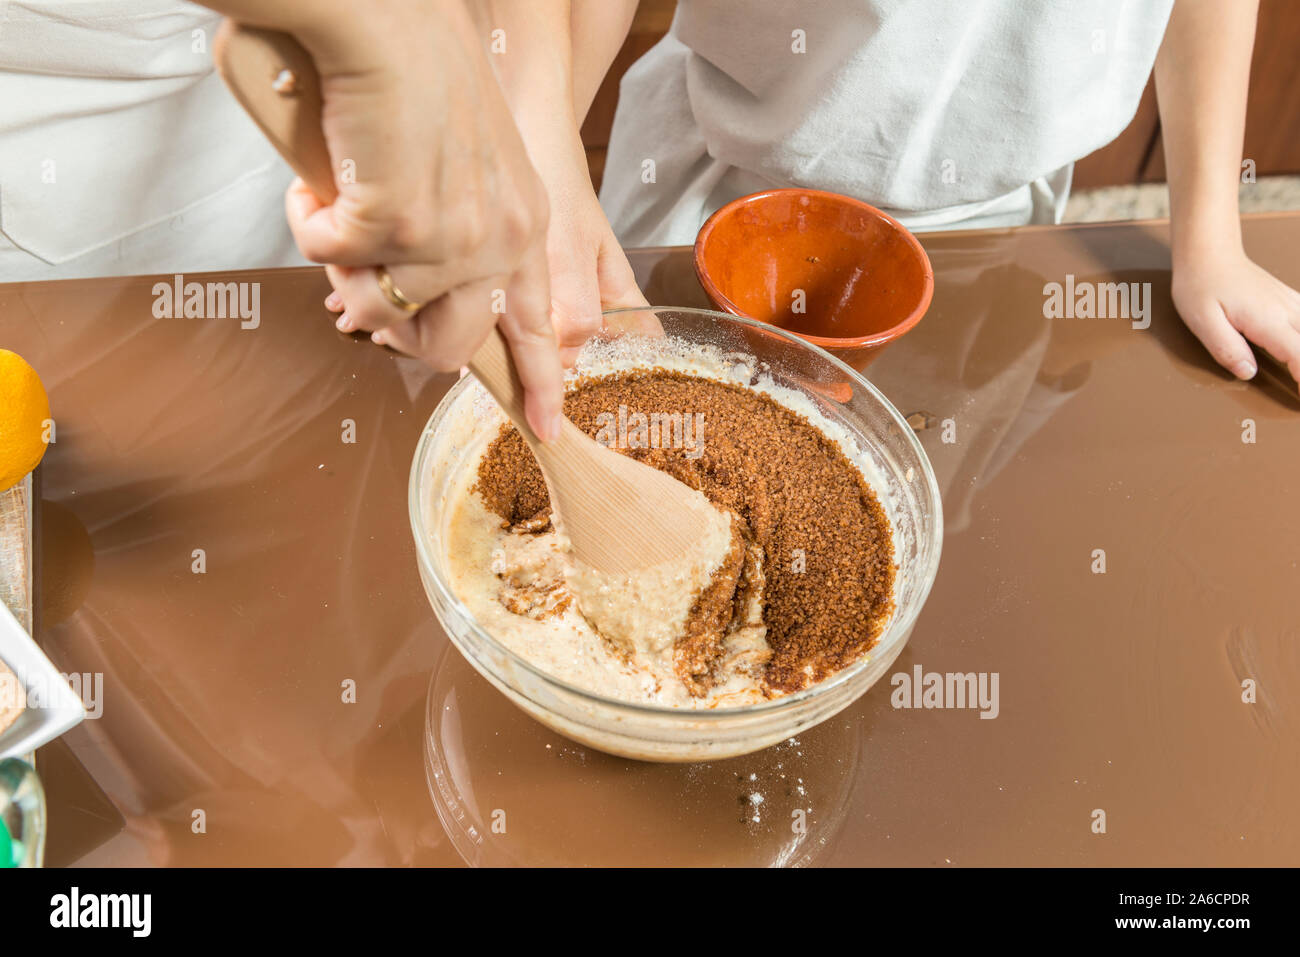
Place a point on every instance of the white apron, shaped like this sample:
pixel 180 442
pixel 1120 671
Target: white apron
pixel 121 152
pixel 946 113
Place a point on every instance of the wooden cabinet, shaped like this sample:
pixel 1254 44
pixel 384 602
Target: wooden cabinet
pixel 1272 116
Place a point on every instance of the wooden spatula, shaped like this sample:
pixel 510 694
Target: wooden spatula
pixel 620 516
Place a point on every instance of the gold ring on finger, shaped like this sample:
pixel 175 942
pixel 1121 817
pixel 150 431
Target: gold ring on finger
pixel 395 295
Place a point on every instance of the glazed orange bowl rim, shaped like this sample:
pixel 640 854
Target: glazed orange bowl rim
pixel 880 338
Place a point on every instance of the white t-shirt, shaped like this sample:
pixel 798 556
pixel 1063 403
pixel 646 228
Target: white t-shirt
pixel 121 151
pixel 943 112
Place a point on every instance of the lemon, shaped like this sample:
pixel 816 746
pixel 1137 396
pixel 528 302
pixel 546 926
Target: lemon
pixel 24 415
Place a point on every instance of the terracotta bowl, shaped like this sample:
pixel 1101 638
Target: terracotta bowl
pixel 832 270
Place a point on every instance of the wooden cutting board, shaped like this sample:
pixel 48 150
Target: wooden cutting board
pixel 16 550
pixel 15 568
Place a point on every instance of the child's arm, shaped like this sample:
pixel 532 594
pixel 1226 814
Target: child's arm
pixel 1202 74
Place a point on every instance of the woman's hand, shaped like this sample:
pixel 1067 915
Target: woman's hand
pixel 1226 299
pixel 554 55
pixel 589 271
pixel 433 182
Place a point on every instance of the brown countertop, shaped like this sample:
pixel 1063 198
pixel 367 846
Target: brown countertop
pixel 225 737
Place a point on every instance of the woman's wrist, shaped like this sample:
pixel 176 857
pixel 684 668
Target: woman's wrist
pixel 554 144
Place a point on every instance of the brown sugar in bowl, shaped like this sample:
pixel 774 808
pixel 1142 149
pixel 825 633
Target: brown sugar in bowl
pixel 861 278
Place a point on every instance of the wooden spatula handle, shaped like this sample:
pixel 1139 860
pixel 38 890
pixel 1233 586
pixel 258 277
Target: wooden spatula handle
pixel 275 80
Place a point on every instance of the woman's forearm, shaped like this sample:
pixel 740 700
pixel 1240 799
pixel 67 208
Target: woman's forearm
pixel 598 28
pixel 1202 76
pixel 550 57
pixel 531 53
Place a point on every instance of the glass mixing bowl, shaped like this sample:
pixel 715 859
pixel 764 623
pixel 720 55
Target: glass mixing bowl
pixel 870 430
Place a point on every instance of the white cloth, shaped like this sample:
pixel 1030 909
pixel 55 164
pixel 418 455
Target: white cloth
pixel 944 112
pixel 121 152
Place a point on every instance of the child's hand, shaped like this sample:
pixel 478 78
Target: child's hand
pixel 1226 299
